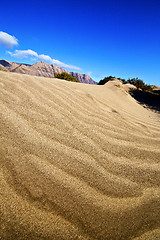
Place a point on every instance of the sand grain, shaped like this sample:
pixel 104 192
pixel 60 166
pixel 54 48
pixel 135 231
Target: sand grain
pixel 77 161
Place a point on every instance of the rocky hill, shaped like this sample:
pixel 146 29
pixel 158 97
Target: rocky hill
pixel 84 78
pixel 42 69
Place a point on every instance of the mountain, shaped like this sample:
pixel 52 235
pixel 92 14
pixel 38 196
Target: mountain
pixel 42 69
pixel 84 78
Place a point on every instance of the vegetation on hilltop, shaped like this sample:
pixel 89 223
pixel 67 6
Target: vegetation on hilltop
pixel 66 76
pixel 139 84
pixel 105 80
pixel 135 81
pixel 144 94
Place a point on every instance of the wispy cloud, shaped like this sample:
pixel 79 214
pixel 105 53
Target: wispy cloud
pixel 7 40
pixel 89 73
pixel 32 54
pixel 98 75
pixel 23 53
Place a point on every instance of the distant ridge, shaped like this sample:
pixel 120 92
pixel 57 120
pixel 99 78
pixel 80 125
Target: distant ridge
pixel 42 69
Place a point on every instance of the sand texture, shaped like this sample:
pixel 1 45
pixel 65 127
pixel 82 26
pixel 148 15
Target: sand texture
pixel 77 161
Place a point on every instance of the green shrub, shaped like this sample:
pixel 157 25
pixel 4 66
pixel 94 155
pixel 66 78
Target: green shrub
pixel 66 76
pixel 139 84
pixel 135 81
pixel 105 80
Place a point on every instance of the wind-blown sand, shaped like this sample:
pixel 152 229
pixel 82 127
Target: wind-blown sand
pixel 76 162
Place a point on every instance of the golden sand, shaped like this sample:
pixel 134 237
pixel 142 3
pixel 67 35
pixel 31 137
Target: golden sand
pixel 77 162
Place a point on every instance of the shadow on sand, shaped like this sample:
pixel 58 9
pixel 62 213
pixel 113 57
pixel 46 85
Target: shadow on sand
pixel 147 99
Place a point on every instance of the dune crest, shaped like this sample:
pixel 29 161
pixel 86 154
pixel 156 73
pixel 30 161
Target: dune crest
pixel 77 161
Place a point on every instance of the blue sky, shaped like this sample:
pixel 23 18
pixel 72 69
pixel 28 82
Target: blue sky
pixel 101 38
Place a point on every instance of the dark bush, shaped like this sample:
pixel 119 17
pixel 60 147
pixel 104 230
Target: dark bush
pixel 105 80
pixel 135 81
pixel 139 84
pixel 65 76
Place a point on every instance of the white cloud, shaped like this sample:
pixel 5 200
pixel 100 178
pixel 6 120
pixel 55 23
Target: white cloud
pixel 8 40
pixel 23 53
pixel 30 54
pixel 45 58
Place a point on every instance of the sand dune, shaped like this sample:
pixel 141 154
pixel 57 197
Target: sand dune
pixel 77 161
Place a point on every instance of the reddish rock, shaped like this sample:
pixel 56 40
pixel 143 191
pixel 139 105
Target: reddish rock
pixel 42 69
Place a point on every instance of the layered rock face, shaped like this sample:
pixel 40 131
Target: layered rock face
pixel 84 78
pixel 42 69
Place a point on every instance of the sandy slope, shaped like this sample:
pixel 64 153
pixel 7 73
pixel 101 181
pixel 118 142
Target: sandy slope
pixel 76 162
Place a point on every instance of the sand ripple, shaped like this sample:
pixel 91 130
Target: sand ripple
pixel 77 162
